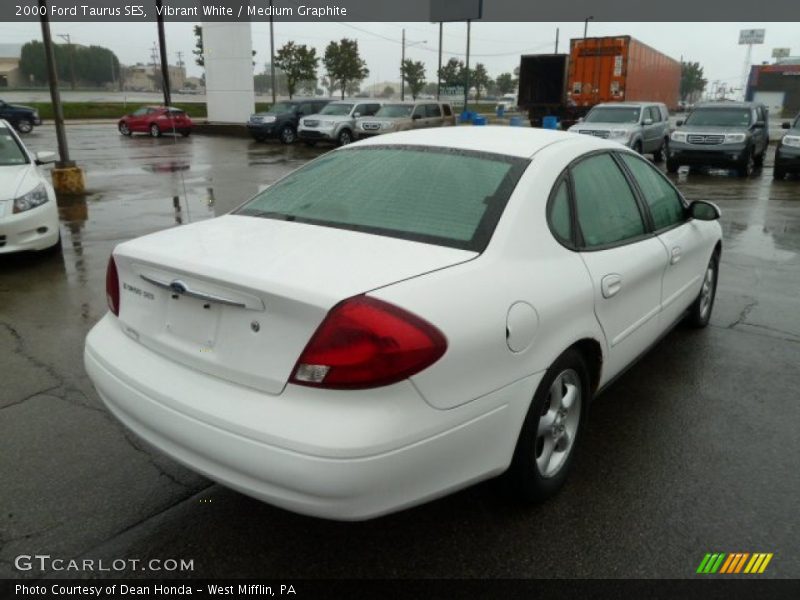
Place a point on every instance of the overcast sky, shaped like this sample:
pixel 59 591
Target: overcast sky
pixel 497 45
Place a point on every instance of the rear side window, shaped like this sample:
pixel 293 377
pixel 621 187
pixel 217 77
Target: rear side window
pixel 560 215
pixel 454 198
pixel 606 207
pixel 433 110
pixel 664 202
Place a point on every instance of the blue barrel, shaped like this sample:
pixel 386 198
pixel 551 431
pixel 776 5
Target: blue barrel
pixel 466 116
pixel 550 123
pixel 517 122
pixel 501 110
pixel 479 120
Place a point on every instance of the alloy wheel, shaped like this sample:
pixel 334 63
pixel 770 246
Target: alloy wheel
pixel 707 291
pixel 558 424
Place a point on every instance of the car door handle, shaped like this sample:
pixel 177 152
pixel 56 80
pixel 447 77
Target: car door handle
pixel 675 255
pixel 611 285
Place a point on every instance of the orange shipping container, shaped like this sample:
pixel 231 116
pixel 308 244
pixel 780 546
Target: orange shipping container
pixel 617 69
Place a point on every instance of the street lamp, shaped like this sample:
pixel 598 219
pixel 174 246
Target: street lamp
pixel 403 62
pixel 586 25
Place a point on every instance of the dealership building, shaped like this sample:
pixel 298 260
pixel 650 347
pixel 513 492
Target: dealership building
pixel 777 86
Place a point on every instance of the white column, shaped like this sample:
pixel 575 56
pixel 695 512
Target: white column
pixel 228 54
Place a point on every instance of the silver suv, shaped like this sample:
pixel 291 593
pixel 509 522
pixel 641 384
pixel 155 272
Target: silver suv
pixel 402 116
pixel 336 122
pixel 643 126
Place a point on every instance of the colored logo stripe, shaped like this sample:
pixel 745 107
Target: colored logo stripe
pixel 734 563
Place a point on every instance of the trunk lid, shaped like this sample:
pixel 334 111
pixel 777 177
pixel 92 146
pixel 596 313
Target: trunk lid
pixel 239 297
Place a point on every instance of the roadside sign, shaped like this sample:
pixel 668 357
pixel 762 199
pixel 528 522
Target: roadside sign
pixel 781 52
pixel 456 10
pixel 751 36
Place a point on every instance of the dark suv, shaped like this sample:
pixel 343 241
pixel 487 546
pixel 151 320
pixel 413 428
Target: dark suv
pixel 282 119
pixel 787 156
pixel 730 135
pixel 22 118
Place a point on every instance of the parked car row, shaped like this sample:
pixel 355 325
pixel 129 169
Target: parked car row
pixel 342 122
pixel 729 135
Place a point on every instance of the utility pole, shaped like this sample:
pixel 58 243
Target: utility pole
pixel 586 26
pixel 67 177
pixel 162 42
pixel 439 70
pixel 557 32
pixel 272 56
pixel 402 69
pixel 68 38
pixel 466 72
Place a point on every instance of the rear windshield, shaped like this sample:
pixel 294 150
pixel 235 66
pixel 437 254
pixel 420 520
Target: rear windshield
pixel 613 115
pixel 395 110
pixel 721 117
pixel 10 151
pixel 433 195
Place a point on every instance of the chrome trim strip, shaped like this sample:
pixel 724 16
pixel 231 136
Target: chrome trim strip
pixel 176 286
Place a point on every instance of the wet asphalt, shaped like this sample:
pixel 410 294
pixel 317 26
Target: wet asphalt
pixel 696 449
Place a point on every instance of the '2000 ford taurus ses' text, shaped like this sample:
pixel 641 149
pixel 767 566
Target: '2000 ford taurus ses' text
pixel 402 317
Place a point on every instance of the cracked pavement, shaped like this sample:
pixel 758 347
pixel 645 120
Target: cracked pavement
pixel 694 450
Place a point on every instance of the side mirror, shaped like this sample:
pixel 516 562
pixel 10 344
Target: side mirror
pixel 580 119
pixel 356 114
pixel 679 122
pixel 415 117
pixel 704 211
pixel 786 125
pixel 42 158
pixel 648 121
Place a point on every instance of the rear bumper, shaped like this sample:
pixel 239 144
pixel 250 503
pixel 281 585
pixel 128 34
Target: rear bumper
pixel 339 455
pixel 35 229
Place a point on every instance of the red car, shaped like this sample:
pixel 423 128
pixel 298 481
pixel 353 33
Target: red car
pixel 156 120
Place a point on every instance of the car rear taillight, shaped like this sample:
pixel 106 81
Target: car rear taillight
pixel 112 286
pixel 364 342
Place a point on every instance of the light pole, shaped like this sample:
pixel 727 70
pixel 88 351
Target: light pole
pixel 272 56
pixel 586 26
pixel 403 62
pixel 68 38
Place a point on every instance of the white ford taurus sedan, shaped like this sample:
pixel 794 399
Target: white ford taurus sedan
pixel 28 210
pixel 402 317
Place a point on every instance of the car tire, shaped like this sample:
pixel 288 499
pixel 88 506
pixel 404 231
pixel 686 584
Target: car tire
pixel 155 131
pixel 287 134
pixel 758 159
pixel 700 311
pixel 24 125
pixel 637 147
pixel 778 173
pixel 551 430
pixel 186 133
pixel 124 129
pixel 345 137
pixel 672 166
pixel 659 154
pixel 746 168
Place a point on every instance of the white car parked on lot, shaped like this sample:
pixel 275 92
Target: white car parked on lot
pixel 349 346
pixel 28 210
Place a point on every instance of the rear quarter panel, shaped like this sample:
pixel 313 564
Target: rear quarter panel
pixel 470 302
